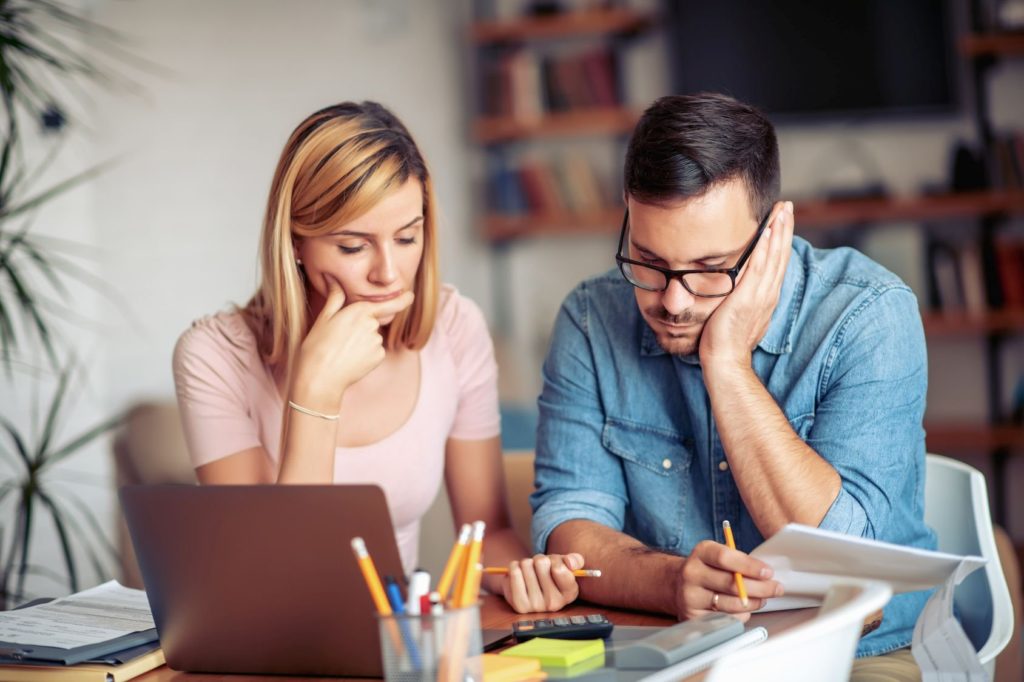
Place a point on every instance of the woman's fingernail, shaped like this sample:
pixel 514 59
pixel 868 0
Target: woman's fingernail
pixel 779 591
pixel 789 206
pixel 766 573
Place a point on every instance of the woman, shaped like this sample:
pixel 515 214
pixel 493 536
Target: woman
pixel 352 363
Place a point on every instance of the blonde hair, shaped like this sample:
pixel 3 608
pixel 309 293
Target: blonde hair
pixel 337 164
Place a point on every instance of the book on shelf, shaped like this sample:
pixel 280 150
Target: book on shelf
pixel 1010 264
pixel 976 277
pixel 524 83
pixel 568 186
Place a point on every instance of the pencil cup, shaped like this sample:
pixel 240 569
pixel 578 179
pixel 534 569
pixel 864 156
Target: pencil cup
pixel 444 647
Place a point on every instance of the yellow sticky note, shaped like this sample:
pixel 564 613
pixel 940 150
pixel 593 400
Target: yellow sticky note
pixel 511 669
pixel 557 653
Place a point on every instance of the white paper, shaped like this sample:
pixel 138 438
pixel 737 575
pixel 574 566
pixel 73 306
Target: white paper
pixel 803 554
pixel 941 647
pixel 88 617
pixel 807 561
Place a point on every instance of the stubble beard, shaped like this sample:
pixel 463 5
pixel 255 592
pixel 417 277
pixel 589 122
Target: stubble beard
pixel 684 346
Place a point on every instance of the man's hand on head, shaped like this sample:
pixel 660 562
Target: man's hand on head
pixel 741 321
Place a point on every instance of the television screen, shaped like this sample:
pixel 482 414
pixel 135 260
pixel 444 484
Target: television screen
pixel 793 58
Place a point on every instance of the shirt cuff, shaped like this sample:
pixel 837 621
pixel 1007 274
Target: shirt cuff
pixel 845 516
pixel 588 505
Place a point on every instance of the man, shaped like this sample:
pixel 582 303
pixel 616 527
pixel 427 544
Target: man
pixel 727 371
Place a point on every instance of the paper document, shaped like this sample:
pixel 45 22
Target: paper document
pixel 807 561
pixel 92 616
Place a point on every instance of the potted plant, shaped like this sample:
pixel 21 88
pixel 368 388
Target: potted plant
pixel 42 57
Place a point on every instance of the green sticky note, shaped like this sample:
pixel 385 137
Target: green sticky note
pixel 557 653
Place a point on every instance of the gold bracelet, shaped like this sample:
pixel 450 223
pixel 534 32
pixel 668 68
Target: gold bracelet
pixel 312 413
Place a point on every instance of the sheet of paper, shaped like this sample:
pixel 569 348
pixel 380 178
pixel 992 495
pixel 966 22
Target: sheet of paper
pixel 941 647
pixel 88 617
pixel 804 555
pixel 807 561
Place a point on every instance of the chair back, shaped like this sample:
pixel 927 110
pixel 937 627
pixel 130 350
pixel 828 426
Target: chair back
pixel 819 650
pixel 956 507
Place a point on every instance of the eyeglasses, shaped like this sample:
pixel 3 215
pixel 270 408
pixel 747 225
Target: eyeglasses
pixel 707 283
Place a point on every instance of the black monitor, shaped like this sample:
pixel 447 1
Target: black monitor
pixel 827 58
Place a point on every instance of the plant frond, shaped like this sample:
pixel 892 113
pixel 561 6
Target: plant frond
pixel 82 440
pixel 62 534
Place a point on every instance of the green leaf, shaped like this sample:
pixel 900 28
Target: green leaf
pixel 50 426
pixel 19 443
pixel 29 309
pixel 82 440
pixel 62 534
pixel 56 190
pixel 27 505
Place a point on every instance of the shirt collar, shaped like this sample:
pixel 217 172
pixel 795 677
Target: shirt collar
pixel 778 340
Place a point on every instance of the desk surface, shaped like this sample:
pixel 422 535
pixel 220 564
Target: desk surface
pixel 496 614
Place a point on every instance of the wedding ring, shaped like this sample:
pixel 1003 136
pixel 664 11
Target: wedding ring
pixel 714 601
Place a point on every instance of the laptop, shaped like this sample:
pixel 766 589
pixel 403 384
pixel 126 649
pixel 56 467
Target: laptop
pixel 261 579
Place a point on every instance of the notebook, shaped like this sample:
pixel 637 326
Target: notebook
pixel 261 579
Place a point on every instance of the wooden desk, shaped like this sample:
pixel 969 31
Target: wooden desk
pixel 496 614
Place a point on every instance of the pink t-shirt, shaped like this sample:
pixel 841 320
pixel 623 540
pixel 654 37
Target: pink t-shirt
pixel 229 403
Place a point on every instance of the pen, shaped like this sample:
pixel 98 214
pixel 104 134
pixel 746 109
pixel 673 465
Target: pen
pixel 740 587
pixel 579 573
pixel 395 597
pixel 370 576
pixel 454 561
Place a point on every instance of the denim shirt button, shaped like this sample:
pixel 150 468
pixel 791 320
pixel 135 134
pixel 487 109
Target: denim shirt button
pixel 723 466
pixel 666 463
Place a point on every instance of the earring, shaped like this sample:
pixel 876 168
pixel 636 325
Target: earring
pixel 298 261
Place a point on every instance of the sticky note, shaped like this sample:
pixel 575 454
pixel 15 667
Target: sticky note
pixel 510 669
pixel 557 653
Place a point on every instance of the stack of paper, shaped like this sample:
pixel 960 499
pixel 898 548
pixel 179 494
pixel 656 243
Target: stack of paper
pixel 105 633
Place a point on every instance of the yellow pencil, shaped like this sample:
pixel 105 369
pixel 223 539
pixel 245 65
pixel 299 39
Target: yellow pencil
pixel 740 587
pixel 467 592
pixel 380 600
pixel 454 561
pixel 579 573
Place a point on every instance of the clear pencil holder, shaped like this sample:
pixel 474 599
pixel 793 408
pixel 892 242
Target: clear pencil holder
pixel 445 647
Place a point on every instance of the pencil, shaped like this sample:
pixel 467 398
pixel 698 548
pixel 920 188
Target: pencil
pixel 467 592
pixel 380 600
pixel 454 561
pixel 579 573
pixel 740 587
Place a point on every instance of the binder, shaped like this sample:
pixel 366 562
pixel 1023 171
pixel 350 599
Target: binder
pixel 85 672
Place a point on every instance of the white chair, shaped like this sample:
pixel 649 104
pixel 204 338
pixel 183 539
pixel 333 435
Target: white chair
pixel 956 506
pixel 819 650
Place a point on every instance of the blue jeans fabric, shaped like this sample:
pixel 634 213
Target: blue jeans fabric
pixel 627 438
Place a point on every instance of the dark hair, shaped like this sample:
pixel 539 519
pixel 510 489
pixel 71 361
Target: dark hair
pixel 685 145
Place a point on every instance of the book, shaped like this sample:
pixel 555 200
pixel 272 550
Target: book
pixel 84 672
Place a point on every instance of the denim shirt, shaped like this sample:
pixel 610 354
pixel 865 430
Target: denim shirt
pixel 627 438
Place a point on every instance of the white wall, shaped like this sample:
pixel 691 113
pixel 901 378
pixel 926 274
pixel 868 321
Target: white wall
pixel 182 209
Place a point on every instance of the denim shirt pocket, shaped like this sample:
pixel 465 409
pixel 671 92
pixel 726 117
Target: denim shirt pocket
pixel 655 463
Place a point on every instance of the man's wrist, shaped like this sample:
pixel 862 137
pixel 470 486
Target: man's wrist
pixel 727 371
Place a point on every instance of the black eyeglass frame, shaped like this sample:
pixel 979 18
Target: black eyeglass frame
pixel 670 275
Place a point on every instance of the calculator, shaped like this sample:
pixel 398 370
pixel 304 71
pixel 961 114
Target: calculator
pixel 590 626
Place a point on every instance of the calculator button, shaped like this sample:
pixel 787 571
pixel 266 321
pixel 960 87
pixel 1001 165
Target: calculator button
pixel 596 618
pixel 524 627
pixel 542 623
pixel 578 620
pixel 561 620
